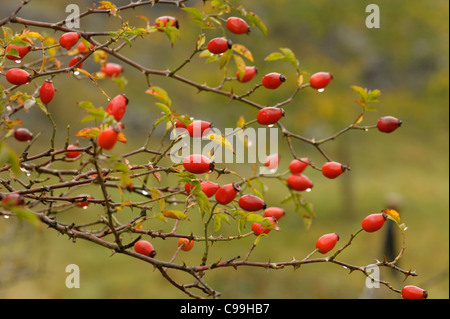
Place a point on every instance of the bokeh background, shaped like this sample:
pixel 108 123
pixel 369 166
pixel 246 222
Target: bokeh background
pixel 406 58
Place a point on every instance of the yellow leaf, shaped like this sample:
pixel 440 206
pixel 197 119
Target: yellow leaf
pixel 175 214
pixel 239 48
pixel 240 122
pixel 219 139
pixel 88 132
pixel 392 214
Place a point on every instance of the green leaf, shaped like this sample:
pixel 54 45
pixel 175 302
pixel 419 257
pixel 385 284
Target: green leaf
pixel 164 108
pixel 160 94
pixel 254 20
pixel 175 214
pixel 225 58
pixel 7 155
pixel 24 213
pixel 202 200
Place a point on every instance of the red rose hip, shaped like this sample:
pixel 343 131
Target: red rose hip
pixel 117 106
pixel 72 154
pixel 388 124
pixel 373 222
pixel 111 69
pixel 251 203
pixel 298 166
pixel 274 212
pixel 187 244
pixel 21 52
pixel 249 74
pixel 69 39
pixel 198 164
pixel 327 242
pixel 299 182
pixel 22 134
pixel 414 292
pixel 237 25
pixel 47 91
pixel 273 80
pixel 108 138
pixel 163 21
pixel 333 169
pixel 219 45
pixel 258 229
pixel 144 247
pixel 227 193
pixel 198 128
pixel 320 80
pixel 18 76
pixel 269 115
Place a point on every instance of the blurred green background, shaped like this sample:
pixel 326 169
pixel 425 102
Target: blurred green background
pixel 406 58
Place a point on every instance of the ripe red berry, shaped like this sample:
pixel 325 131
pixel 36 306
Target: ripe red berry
pixel 198 164
pixel 11 200
pixel 75 60
pixel 257 228
pixel 273 80
pixel 209 188
pixel 227 193
pixel 163 21
pixel 179 124
pixel 414 292
pixel 69 39
pixel 111 69
pixel 269 115
pixel 82 49
pixel 47 91
pixel 83 202
pixel 237 25
pixel 327 242
pixel 72 154
pixel 272 161
pixel 219 45
pixel 198 128
pixel 250 72
pixel 388 124
pixel 251 203
pixel 144 247
pixel 21 52
pixel 188 244
pixel 117 106
pixel 333 169
pixel 18 76
pixel 298 166
pixel 274 212
pixel 108 138
pixel 320 80
pixel 299 182
pixel 22 134
pixel 373 222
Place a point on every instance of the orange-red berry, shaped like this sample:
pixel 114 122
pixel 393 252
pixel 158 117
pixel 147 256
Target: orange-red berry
pixel 22 134
pixel 272 161
pixel 237 25
pixel 187 244
pixel 111 69
pixel 249 74
pixel 219 45
pixel 117 106
pixel 327 242
pixel 108 138
pixel 274 212
pixel 273 80
pixel 11 200
pixel 198 164
pixel 227 193
pixel 269 115
pixel 388 124
pixel 198 128
pixel 21 51
pixel 75 60
pixel 333 169
pixel 298 166
pixel 414 292
pixel 69 39
pixel 163 21
pixel 72 154
pixel 251 203
pixel 83 202
pixel 145 248
pixel 299 182
pixel 258 229
pixel 320 80
pixel 18 76
pixel 373 222
pixel 47 91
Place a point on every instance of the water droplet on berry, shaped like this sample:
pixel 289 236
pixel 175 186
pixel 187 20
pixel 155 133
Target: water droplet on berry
pixel 271 125
pixel 85 207
pixel 76 72
pixel 18 61
pixel 308 190
pixel 320 90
